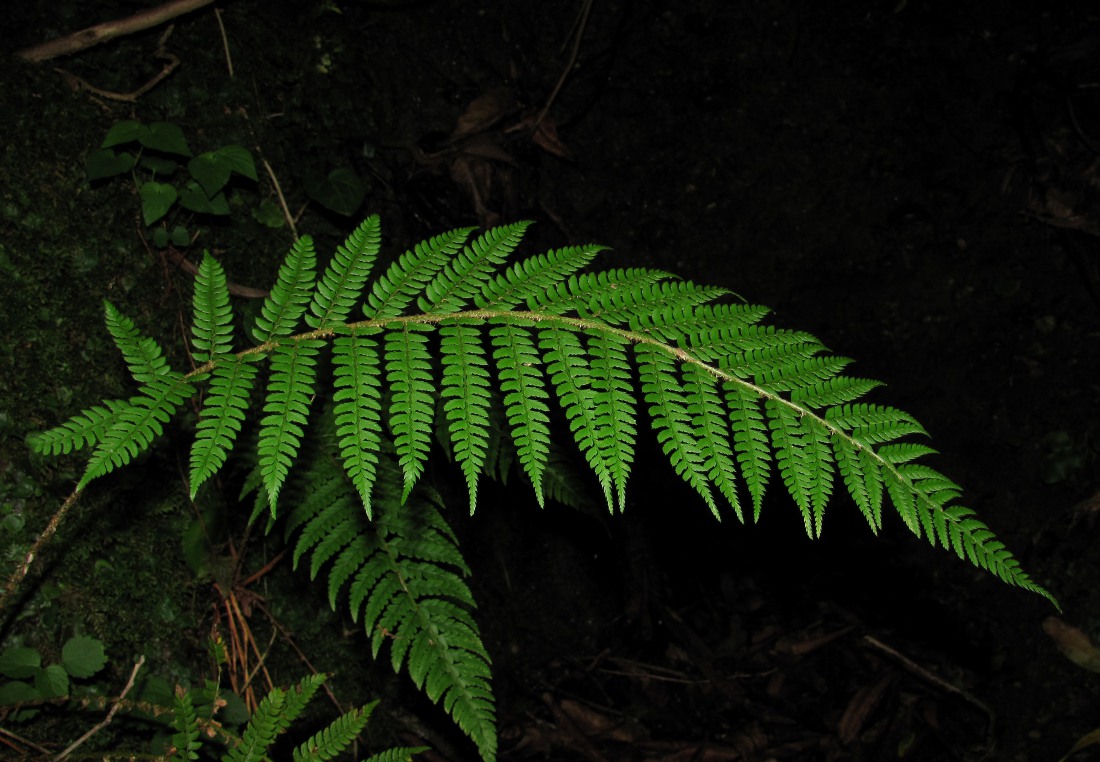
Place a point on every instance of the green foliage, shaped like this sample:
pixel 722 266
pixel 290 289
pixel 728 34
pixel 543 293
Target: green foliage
pixel 154 154
pixel 455 338
pixel 82 657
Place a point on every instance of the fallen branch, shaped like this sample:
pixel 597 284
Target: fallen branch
pixel 109 30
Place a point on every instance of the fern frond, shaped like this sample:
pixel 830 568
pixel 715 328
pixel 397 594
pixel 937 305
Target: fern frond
pixel 272 717
pixel 342 283
pixel 412 406
pixel 465 393
pixel 466 274
pixel 397 754
pixel 579 291
pixel 406 278
pixel 212 329
pixel 84 429
pixel 524 390
pixel 701 325
pixel 404 578
pixel 133 429
pixel 709 419
pixel 750 441
pixel 185 722
pixel 612 413
pixel 327 743
pixel 671 420
pixel 283 307
pixel 289 392
pixel 220 420
pixel 143 356
pixel 535 275
pixel 358 397
pixel 621 305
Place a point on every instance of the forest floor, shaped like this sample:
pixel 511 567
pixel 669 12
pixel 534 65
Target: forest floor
pixel 916 185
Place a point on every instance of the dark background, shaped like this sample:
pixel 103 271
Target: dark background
pixel 915 183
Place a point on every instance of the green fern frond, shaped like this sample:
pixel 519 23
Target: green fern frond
pixel 134 427
pixel 222 414
pixel 84 429
pixel 412 407
pixel 672 420
pixel 358 397
pixel 466 274
pixel 275 714
pixel 580 291
pixel 524 389
pixel 143 356
pixel 613 413
pixel 728 397
pixel 289 392
pixel 404 579
pixel 535 275
pixel 212 329
pixel 465 392
pixel 407 277
pixel 342 284
pixel 284 306
pixel 397 754
pixel 185 722
pixel 327 743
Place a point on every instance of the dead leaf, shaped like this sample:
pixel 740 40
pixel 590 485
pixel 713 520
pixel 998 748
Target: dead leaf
pixel 859 709
pixel 485 111
pixel 1074 644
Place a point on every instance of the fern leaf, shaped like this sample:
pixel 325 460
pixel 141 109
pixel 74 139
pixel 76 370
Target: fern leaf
pixel 273 717
pixel 873 424
pixel 671 419
pixel 862 477
pixel 579 291
pixel 407 277
pixel 327 743
pixel 220 420
pixel 143 356
pixel 283 307
pixel 534 275
pixel 621 305
pixel 613 412
pixel 709 419
pixel 134 428
pixel 185 722
pixel 212 329
pixel 750 442
pixel 345 276
pixel 412 406
pixel 397 754
pixel 289 391
pixel 84 429
pixel 358 411
pixel 804 456
pixel 524 390
pixel 465 393
pixel 404 576
pixel 811 372
pixel 261 731
pixel 703 324
pixel 465 275
pixel 833 391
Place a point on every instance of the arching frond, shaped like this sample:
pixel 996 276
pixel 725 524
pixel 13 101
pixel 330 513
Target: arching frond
pixel 495 352
pixel 143 356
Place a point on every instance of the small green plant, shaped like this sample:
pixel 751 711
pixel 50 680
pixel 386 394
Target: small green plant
pixel 156 154
pixel 82 657
pixel 497 361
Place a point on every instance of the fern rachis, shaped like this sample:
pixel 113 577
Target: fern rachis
pixel 449 330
